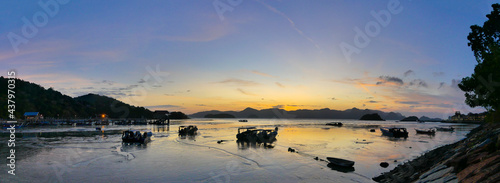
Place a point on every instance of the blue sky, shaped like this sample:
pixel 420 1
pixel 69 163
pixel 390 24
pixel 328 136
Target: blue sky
pixel 258 54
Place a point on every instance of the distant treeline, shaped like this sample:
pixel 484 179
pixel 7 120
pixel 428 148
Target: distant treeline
pixel 223 115
pixel 31 97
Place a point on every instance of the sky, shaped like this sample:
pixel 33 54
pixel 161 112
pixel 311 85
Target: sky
pixel 190 56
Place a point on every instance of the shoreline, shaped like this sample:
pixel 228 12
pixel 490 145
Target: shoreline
pixel 473 159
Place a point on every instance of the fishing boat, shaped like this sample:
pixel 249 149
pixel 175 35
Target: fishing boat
pixel 243 120
pixel 429 131
pixel 394 132
pixel 247 135
pixel 445 129
pixel 134 136
pixel 188 130
pixel 340 162
pixel 12 125
pixel 340 168
pixel 339 124
pixel 254 135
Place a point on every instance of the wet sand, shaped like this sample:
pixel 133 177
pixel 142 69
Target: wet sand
pixel 81 154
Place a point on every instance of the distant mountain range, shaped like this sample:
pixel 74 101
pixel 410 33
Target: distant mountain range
pixel 326 113
pixel 31 97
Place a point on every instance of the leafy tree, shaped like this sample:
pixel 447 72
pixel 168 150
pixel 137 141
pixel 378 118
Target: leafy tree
pixel 178 115
pixel 482 88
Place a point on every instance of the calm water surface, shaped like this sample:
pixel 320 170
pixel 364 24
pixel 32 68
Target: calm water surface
pixel 82 154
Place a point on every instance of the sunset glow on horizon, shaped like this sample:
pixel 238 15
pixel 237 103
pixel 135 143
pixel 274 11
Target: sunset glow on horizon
pixel 192 56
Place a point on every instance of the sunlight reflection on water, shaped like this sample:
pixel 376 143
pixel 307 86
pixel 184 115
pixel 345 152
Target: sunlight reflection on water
pixel 85 154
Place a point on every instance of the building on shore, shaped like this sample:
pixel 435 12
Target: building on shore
pixel 160 114
pixel 471 117
pixel 32 117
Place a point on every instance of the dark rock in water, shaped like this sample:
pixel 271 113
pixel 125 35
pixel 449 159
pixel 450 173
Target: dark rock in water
pixel 395 160
pixel 316 158
pixel 291 149
pixel 269 146
pixel 378 178
pixel 220 141
pixel 371 117
pixel 384 164
pixel 372 130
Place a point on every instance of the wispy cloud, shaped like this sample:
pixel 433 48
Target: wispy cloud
pixel 238 82
pixel 441 85
pixel 162 106
pixel 262 74
pixel 280 85
pixel 408 102
pixel 418 83
pixel 245 92
pixel 108 82
pixel 279 106
pixel 390 80
pixel 409 72
pixel 292 23
pixel 436 74
pixel 203 33
pixel 454 83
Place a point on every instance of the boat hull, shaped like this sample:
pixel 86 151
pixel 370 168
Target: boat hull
pixel 427 132
pixel 394 132
pixel 130 136
pixel 340 162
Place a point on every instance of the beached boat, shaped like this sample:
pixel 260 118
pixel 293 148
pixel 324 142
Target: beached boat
pixel 340 168
pixel 445 129
pixel 188 130
pixel 243 120
pixel 131 136
pixel 429 131
pixel 340 162
pixel 339 124
pixel 16 126
pixel 254 135
pixel 394 132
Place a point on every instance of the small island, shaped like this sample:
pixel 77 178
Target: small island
pixel 222 115
pixel 411 118
pixel 371 117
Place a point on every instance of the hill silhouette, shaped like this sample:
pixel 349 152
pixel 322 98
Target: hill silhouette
pixel 98 104
pixel 222 115
pixel 325 113
pixel 411 118
pixel 31 97
pixel 371 117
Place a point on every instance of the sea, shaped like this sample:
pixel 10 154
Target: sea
pixel 97 154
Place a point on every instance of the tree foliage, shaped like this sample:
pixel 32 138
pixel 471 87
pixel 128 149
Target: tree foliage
pixel 178 115
pixel 482 88
pixel 30 97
